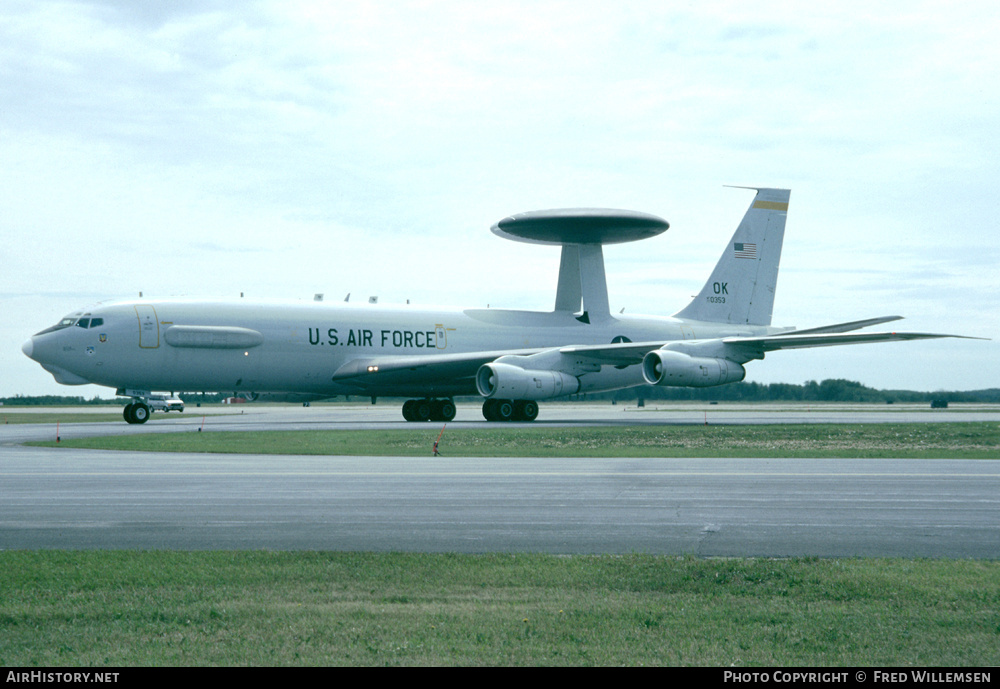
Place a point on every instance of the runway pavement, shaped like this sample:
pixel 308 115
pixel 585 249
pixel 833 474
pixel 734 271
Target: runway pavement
pixel 59 498
pixel 386 414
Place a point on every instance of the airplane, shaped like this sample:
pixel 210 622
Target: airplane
pixel 513 359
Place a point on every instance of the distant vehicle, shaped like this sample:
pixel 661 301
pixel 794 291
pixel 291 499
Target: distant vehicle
pixel 165 403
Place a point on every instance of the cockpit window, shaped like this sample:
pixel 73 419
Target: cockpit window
pixel 74 319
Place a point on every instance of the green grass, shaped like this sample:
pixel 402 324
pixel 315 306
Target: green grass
pixel 917 440
pixel 125 608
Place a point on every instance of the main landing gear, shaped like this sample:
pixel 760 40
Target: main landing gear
pixel 510 410
pixel 136 412
pixel 428 410
pixel 493 410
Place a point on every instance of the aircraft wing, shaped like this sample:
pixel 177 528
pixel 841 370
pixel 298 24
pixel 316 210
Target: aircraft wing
pixel 454 373
pixel 794 340
pixel 843 327
pixel 743 349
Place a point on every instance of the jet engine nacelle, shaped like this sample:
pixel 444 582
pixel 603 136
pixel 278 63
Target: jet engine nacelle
pixel 504 381
pixel 664 367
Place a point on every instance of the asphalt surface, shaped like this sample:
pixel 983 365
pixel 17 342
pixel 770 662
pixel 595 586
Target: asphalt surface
pixel 81 499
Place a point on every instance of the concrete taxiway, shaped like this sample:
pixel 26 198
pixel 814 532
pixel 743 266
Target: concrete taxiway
pixel 60 498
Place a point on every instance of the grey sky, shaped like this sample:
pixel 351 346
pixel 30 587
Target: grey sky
pixel 283 149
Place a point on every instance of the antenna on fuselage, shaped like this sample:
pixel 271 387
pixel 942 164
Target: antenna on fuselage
pixel 582 233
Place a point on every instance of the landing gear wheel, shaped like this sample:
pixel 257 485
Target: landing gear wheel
pixel 422 410
pixel 489 410
pixel 417 410
pixel 510 410
pixel 504 410
pixel 428 410
pixel 136 412
pixel 526 410
pixel 442 410
pixel 408 410
pixel 140 412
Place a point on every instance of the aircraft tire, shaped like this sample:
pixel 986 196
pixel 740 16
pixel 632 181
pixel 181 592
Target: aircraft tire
pixel 408 410
pixel 422 410
pixel 127 413
pixel 504 410
pixel 507 410
pixel 443 410
pixel 525 410
pixel 140 412
pixel 489 410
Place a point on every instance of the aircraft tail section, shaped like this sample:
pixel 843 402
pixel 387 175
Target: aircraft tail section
pixel 741 288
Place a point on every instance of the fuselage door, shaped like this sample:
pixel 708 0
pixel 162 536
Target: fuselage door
pixel 149 328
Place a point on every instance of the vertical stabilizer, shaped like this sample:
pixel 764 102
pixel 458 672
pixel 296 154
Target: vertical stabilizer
pixel 741 288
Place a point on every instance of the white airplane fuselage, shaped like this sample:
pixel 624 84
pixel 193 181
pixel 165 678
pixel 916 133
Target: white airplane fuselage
pixel 302 344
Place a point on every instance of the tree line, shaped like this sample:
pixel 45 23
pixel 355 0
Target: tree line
pixel 830 390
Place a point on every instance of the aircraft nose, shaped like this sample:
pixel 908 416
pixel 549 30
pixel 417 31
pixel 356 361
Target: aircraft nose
pixel 28 347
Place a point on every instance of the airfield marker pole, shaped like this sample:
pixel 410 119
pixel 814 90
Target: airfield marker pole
pixel 202 424
pixel 436 453
pixel 57 431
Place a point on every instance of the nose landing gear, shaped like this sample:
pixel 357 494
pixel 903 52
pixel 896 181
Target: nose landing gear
pixel 136 412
